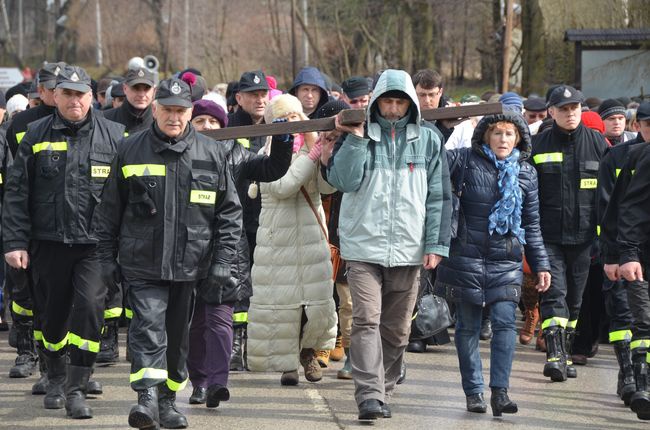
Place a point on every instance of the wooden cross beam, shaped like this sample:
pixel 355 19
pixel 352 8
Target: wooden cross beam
pixel 347 117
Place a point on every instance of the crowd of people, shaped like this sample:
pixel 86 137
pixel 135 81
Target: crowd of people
pixel 283 252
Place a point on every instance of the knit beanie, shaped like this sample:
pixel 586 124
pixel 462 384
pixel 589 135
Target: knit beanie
pixel 331 108
pixel 282 106
pixel 513 100
pixel 611 107
pixel 208 107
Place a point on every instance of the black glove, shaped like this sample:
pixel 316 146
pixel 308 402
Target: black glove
pixel 111 275
pixel 142 204
pixel 219 278
pixel 281 138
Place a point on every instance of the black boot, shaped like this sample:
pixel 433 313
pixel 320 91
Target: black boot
pixel 501 403
pixel 626 385
pixel 40 386
pixel 56 370
pixel 94 386
pixel 169 416
pixel 476 403
pixel 109 351
pixel 486 329
pixel 569 335
pixel 144 415
pixel 238 361
pixel 75 392
pixel 555 367
pixel 640 400
pixel 27 359
pixel 216 393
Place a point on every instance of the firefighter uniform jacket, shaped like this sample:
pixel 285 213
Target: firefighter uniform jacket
pixel 5 161
pixel 56 180
pixel 19 123
pixel 626 155
pixel 172 206
pixel 634 212
pixel 132 119
pixel 567 168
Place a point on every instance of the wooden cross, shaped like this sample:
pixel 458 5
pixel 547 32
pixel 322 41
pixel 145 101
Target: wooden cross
pixel 346 117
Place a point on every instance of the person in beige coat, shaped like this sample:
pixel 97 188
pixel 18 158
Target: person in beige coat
pixel 292 312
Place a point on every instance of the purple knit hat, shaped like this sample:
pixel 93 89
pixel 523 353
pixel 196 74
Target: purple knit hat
pixel 208 107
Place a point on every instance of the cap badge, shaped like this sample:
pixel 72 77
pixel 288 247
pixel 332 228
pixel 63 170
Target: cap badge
pixel 256 79
pixel 175 89
pixel 567 93
pixel 74 77
pixel 140 73
pixel 57 70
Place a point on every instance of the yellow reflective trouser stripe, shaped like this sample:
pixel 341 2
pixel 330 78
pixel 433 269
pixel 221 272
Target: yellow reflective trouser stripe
pixel 244 142
pixel 55 346
pixel 19 136
pixel 176 386
pixel 128 313
pixel 555 322
pixel 619 335
pixel 588 184
pixel 126 134
pixel 548 157
pixel 641 343
pixel 240 317
pixel 647 357
pixel 21 310
pixel 38 335
pixel 112 313
pixel 204 197
pixel 572 324
pixel 50 146
pixel 0 178
pixel 598 230
pixel 148 373
pixel 618 172
pixel 633 172
pixel 415 315
pixel 143 170
pixel 83 344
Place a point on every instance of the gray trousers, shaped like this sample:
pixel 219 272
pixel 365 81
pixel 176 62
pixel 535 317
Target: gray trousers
pixel 382 304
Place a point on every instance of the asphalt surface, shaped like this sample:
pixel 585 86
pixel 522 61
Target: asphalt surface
pixel 430 398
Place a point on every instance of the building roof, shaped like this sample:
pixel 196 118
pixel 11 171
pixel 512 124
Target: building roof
pixel 607 35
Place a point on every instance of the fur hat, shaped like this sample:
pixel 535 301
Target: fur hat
pixel 282 106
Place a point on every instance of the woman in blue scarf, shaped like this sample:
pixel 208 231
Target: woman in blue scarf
pixel 497 220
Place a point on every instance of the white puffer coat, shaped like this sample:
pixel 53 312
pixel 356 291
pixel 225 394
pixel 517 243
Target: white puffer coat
pixel 292 272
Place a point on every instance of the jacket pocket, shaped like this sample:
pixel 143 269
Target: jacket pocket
pixel 587 195
pixel 100 169
pixel 550 185
pixel 44 210
pixel 198 249
pixel 202 197
pixel 137 245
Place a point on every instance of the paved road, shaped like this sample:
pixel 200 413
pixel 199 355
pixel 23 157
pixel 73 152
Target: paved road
pixel 430 398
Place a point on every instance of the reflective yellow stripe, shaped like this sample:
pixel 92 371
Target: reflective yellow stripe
pixel 588 184
pixel 176 386
pixel 414 316
pixel 19 136
pixel 143 170
pixel 555 322
pixel 38 335
pixel 148 373
pixel 112 313
pixel 0 178
pixel 619 335
pixel 19 310
pixel 128 313
pixel 100 171
pixel 126 134
pixel 83 344
pixel 56 346
pixel 572 324
pixel 641 343
pixel 633 172
pixel 201 196
pixel 244 142
pixel 240 317
pixel 548 157
pixel 597 230
pixel 618 172
pixel 551 359
pixel 50 146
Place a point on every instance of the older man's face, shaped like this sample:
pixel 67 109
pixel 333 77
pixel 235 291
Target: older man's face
pixel 172 120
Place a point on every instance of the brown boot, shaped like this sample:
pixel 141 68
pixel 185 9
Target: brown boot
pixel 530 325
pixel 313 372
pixel 338 352
pixel 323 357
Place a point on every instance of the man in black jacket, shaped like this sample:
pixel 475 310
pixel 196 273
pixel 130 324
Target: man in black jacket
pixel 135 115
pixel 170 211
pixel 51 193
pixel 567 158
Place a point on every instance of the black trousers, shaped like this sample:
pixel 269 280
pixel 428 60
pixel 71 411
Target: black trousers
pixel 68 296
pixel 17 281
pixel 618 310
pixel 569 271
pixel 159 332
pixel 639 301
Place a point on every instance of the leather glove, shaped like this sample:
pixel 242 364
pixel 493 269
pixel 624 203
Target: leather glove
pixel 111 275
pixel 281 138
pixel 142 204
pixel 219 278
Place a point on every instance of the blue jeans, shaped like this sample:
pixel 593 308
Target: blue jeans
pixel 502 345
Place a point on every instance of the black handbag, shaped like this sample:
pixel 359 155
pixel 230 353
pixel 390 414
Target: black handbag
pixel 432 315
pixel 457 189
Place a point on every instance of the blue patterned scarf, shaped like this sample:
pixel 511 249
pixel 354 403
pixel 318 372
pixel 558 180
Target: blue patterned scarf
pixel 506 212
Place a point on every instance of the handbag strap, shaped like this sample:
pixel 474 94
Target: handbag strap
pixel 313 209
